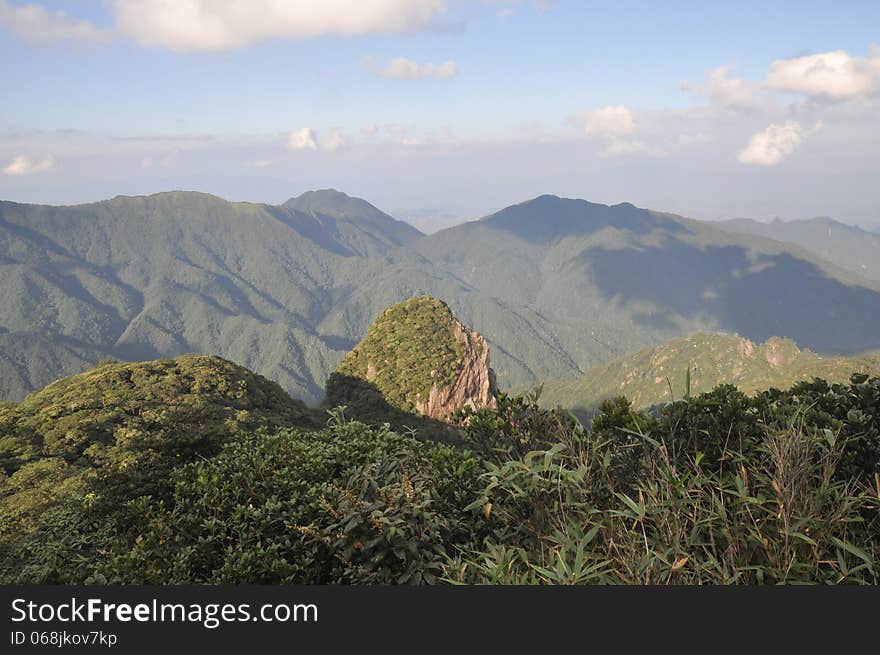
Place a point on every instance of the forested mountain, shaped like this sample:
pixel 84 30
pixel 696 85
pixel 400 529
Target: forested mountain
pixel 600 282
pixel 556 286
pixel 847 246
pixel 146 277
pixel 130 422
pixel 698 363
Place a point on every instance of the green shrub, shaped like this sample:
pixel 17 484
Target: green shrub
pixel 344 504
pixel 720 488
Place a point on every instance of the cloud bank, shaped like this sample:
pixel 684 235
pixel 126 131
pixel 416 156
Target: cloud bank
pixel 302 139
pixel 611 121
pixel 769 147
pixel 206 25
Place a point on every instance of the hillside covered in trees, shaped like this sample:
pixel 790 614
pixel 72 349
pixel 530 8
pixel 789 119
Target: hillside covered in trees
pixel 556 286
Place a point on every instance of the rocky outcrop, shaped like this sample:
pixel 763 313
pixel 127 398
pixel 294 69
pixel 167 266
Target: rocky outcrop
pixel 780 352
pixel 421 359
pixel 474 382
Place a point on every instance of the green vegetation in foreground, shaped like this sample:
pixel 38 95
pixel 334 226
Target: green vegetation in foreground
pixel 721 488
pixel 118 430
pixel 408 349
pixel 699 363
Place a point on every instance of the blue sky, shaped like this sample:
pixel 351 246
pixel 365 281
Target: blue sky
pixel 448 109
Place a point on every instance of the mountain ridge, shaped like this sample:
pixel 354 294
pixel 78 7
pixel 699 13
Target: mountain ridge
pixel 288 293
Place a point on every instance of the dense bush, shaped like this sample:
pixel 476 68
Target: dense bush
pixel 722 488
pixel 344 504
pixel 76 454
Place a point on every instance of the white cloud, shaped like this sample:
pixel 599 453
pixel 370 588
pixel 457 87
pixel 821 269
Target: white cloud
pixel 302 139
pixel 23 165
pixel 611 121
pixel 771 146
pixel 727 91
pixel 258 163
pixel 197 25
pixel 402 68
pixel 833 75
pixel 36 24
pixel 306 138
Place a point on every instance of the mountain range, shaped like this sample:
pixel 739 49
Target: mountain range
pixel 556 286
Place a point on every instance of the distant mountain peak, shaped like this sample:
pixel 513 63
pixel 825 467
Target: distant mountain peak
pixel 341 206
pixel 848 246
pixel 548 218
pixel 173 193
pixel 323 194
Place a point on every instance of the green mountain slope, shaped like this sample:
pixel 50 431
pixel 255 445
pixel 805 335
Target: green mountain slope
pixel 174 273
pixel 556 286
pixel 656 375
pixel 127 425
pixel 847 246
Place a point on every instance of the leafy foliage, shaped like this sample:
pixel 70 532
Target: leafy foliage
pixel 344 504
pixel 721 488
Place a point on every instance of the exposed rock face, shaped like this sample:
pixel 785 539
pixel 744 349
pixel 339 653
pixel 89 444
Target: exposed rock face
pixel 780 352
pixel 746 348
pixel 422 360
pixel 474 382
